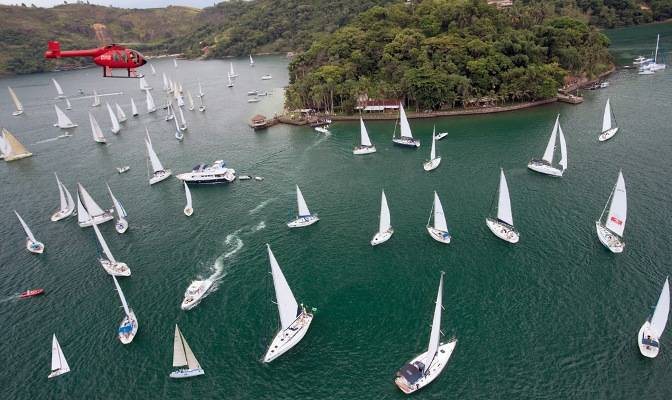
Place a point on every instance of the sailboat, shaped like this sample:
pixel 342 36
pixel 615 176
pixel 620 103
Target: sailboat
pixel 232 74
pixel 175 62
pixel 68 106
pixel 151 107
pixel 200 90
pixel 188 209
pixel 294 318
pixel 230 83
pixel 129 325
pixel 134 108
pixel 59 90
pixel 201 108
pixel 184 357
pixel 121 115
pixel 144 85
pixel 115 123
pixel 17 104
pixel 655 66
pixel 152 68
pixel 95 130
pixel 166 86
pixel 121 225
pixel 649 335
pixel 251 61
pixel 178 131
pixel 63 121
pixel 96 99
pixel 304 218
pixel 169 112
pixel 440 135
pixel 191 101
pixel 88 211
pixel 385 230
pixel 433 161
pixel 12 149
pixel 607 130
pixel 183 122
pixel 59 365
pixel 439 231
pixel 426 367
pixel 32 244
pixel 159 173
pixel 365 147
pixel 179 100
pixel 110 264
pixel 503 227
pixel 67 206
pixel 545 165
pixel 610 230
pixel 406 138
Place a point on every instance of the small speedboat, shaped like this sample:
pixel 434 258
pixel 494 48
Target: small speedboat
pixel 244 177
pixel 31 293
pixel 262 94
pixel 259 178
pixel 322 129
pixel 266 77
pixel 194 293
pixel 123 169
pixel 440 135
pixel 254 100
pixel 252 93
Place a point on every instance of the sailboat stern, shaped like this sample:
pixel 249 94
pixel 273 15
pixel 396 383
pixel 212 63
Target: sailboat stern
pixel 439 235
pixel 128 328
pixel 431 164
pixel 502 230
pixel 382 237
pixel 406 142
pixel 543 167
pixel 608 134
pixel 415 375
pixel 290 337
pixel 649 344
pixel 302 221
pixel 34 246
pixel 610 240
pixel 361 150
pixel 115 268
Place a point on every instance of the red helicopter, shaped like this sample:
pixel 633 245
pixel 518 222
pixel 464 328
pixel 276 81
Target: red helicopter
pixel 112 56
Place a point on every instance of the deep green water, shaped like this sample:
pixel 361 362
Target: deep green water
pixel 553 317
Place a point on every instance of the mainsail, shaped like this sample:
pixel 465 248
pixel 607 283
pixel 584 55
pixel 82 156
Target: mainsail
pixel 303 207
pixel 121 115
pixel 182 354
pixel 606 118
pixel 550 147
pixel 618 212
pixel 12 148
pixel 504 202
pixel 188 194
pixel 384 224
pixel 91 206
pixel 435 335
pixel 103 245
pixel 82 215
pixel 365 141
pixel 156 164
pixel 405 127
pixel 59 365
pixel 563 149
pixel 121 212
pixel 115 123
pixel 95 130
pixel 25 227
pixel 17 103
pixel 287 305
pixel 659 317
pixel 134 108
pixel 151 107
pixel 124 304
pixel 59 90
pixel 439 216
pixel 63 120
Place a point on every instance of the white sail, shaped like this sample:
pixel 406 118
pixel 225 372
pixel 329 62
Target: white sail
pixel 96 99
pixel 12 149
pixel 435 335
pixel 432 153
pixel 175 62
pixel 115 123
pixel 63 120
pixel 68 106
pixel 303 207
pixel 91 206
pixel 4 146
pixel 134 109
pixel 153 158
pixel 121 115
pixel 230 84
pixel 17 103
pixel 143 84
pixel 200 90
pixel 58 362
pixel 655 56
pixel 95 130
pixel 124 304
pixel 103 244
pixel 660 314
pixel 179 357
pixel 151 107
pixel 182 120
pixel 365 141
pixel 153 70
pixel 82 215
pixel 606 118
pixel 550 147
pixel 439 216
pixel 119 208
pixel 59 89
pixel 563 148
pixel 405 127
pixel 166 87
pixel 187 192
pixel 191 100
pixel 61 194
pixel 231 73
pixel 287 305
pixel 68 196
pixel 251 60
pixel 385 223
pixel 25 227
pixel 504 202
pixel 618 212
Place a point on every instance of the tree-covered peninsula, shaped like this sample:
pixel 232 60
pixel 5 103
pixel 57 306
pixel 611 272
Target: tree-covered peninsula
pixel 438 54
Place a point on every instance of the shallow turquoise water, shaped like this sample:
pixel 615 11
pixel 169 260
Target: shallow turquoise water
pixel 555 316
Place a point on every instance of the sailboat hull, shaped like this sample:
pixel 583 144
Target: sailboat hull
pixel 502 231
pixel 441 135
pixel 56 373
pixel 439 236
pixel 608 134
pixel 406 142
pixel 544 168
pixel 188 211
pixel 300 222
pixel 127 338
pixel 648 349
pixel 34 247
pixel 187 373
pixel 98 219
pixel 382 237
pixel 431 372
pixel 288 338
pixel 115 269
pixel 68 126
pixel 359 150
pixel 431 164
pixel 159 176
pixel 61 214
pixel 18 157
pixel 17 113
pixel 121 225
pixel 196 291
pixel 608 239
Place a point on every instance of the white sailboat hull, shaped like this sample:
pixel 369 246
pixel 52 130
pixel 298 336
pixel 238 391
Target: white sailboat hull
pixel 432 371
pixel 61 214
pixel 609 239
pixel 300 222
pixel 502 231
pixel 188 211
pixel 544 168
pixel 438 235
pixel 186 373
pixel 98 219
pixel 288 338
pixel 608 134
pixel 66 126
pixel 382 237
pixel 121 225
pixel 191 300
pixel 17 113
pixel 127 338
pixel 34 246
pixel 431 164
pixel 407 142
pixel 359 150
pixel 441 135
pixel 115 269
pixel 648 349
pixel 56 373
pixel 158 176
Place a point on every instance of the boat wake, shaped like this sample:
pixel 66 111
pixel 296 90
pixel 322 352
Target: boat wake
pixel 260 206
pixel 261 225
pixel 10 298
pixel 318 142
pixel 51 139
pixel 222 264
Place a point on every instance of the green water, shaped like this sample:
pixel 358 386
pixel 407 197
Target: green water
pixel 555 316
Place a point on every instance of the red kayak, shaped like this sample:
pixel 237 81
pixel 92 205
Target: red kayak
pixel 31 293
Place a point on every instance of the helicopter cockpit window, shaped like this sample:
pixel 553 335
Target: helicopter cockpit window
pixel 123 56
pixel 115 56
pixel 133 56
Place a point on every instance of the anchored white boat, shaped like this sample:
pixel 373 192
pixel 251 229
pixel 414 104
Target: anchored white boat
pixel 365 146
pixel 188 209
pixel 294 319
pixel 426 367
pixel 68 106
pixel 67 206
pixel 439 231
pixel 266 77
pixel 232 74
pixel 194 293
pixel 110 264
pixel 32 244
pixel 183 357
pixel 406 136
pixel 191 101
pixel 144 85
pixel 115 123
pixel 134 108
pixel 502 226
pixel 88 211
pixel 649 334
pixel 151 106
pixel 607 130
pixel 63 121
pixel 545 165
pixel 159 172
pixel 304 218
pixel 610 230
pixel 95 130
pixel 121 225
pixel 129 325
pixel 121 115
pixel 59 365
pixel 209 174
pixel 433 161
pixel 18 107
pixel 59 90
pixel 321 129
pixel 385 230
pixel 11 148
pixel 96 99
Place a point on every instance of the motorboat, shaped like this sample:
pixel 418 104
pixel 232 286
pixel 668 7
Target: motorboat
pixel 323 129
pixel 31 293
pixel 209 174
pixel 123 169
pixel 194 294
pixel 266 77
